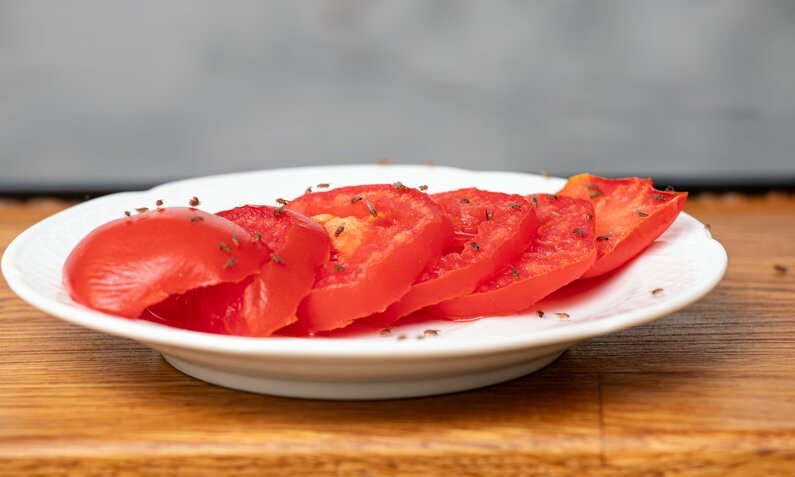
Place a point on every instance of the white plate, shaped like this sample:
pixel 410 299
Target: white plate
pixel 685 262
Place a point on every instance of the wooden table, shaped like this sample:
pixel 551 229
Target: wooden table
pixel 707 391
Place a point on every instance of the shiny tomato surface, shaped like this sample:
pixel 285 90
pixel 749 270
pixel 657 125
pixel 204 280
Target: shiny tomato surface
pixel 128 264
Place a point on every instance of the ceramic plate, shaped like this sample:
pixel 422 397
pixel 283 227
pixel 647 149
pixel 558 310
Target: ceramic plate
pixel 685 263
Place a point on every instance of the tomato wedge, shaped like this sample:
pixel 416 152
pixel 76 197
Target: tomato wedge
pixel 300 247
pixel 491 229
pixel 383 237
pixel 128 264
pixel 562 250
pixel 630 215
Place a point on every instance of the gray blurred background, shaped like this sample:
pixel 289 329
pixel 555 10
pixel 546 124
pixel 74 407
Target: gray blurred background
pixel 98 95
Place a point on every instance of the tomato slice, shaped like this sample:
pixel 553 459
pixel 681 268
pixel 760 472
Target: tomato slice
pixel 630 215
pixel 491 229
pixel 128 264
pixel 266 302
pixel 562 250
pixel 300 247
pixel 383 237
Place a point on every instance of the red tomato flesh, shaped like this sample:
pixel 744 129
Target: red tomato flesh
pixel 491 228
pixel 382 236
pixel 562 250
pixel 300 247
pixel 206 309
pixel 128 264
pixel 630 215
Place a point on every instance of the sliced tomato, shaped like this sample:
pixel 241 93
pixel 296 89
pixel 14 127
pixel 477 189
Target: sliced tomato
pixel 630 215
pixel 128 264
pixel 562 250
pixel 383 237
pixel 267 301
pixel 491 229
pixel 300 248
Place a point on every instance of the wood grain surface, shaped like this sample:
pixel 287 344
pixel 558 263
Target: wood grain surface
pixel 707 391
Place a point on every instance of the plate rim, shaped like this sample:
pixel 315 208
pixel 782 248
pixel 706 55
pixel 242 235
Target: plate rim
pixel 153 334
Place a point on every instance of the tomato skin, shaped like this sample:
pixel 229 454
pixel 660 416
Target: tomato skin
pixel 563 249
pixel 630 212
pixel 128 264
pixel 499 225
pixel 403 231
pixel 302 247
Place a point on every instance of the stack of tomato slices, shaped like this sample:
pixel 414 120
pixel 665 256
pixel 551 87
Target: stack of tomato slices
pixel 370 254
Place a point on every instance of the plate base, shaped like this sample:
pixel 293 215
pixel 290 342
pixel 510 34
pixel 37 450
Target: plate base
pixel 358 390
